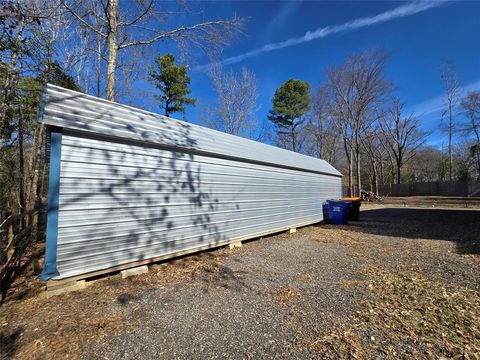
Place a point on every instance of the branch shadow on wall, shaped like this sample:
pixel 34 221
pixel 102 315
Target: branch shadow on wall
pixel 132 200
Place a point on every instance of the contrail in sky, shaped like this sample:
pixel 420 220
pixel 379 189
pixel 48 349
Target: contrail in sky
pixel 405 10
pixel 436 104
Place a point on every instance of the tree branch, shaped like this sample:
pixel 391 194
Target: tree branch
pixel 79 18
pixel 173 33
pixel 138 18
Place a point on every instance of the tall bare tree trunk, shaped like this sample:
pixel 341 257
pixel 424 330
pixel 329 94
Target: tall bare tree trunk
pixel 477 135
pixel 349 155
pixel 478 160
pixel 20 134
pixel 99 64
pixel 112 48
pixel 21 164
pixel 453 91
pixel 358 164
pixel 450 130
pixel 350 173
pixel 392 168
pixel 399 173
pixel 375 176
pixel 382 172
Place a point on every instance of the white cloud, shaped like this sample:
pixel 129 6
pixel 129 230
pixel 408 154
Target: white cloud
pixel 286 10
pixel 404 10
pixel 437 103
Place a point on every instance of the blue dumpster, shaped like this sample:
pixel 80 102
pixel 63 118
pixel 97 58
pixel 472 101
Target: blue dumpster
pixel 338 211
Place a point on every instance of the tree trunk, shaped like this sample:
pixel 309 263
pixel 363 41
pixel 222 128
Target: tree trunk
pixel 399 172
pixel 382 172
pixel 167 104
pixel 332 156
pixel 478 160
pixel 293 136
pixel 21 165
pixel 350 174
pixel 99 65
pixel 392 168
pixel 348 154
pixel 477 135
pixel 112 48
pixel 450 157
pixel 357 165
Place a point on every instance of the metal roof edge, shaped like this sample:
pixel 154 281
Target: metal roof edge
pixel 331 170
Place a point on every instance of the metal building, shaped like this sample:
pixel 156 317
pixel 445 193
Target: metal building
pixel 128 186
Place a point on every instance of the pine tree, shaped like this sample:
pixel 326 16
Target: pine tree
pixel 172 81
pixel 290 103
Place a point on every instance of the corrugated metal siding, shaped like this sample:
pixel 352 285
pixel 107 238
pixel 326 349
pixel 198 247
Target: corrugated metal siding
pixel 122 201
pixel 73 110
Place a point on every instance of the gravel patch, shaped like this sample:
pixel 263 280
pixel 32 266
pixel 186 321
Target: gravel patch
pixel 320 293
pixel 243 309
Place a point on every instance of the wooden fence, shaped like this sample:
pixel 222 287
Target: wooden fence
pixel 435 188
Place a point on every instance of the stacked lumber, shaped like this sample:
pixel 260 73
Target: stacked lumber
pixel 370 196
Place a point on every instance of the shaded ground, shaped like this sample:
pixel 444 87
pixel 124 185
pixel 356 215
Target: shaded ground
pixel 402 283
pixel 434 201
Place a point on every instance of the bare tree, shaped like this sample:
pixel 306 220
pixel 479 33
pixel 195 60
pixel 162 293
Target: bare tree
pixel 356 89
pixel 320 134
pixel 18 20
pixel 402 135
pixel 31 44
pixel 471 105
pixel 372 146
pixel 453 93
pixel 234 111
pixel 124 29
pixel 429 165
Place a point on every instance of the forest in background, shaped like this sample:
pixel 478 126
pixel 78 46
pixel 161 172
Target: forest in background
pixel 351 119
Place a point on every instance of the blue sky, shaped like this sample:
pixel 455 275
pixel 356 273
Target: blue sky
pixel 419 36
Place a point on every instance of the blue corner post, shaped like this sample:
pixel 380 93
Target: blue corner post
pixel 50 268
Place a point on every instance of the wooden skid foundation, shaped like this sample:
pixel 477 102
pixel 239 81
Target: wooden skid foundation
pixel 54 288
pixel 235 243
pixel 134 271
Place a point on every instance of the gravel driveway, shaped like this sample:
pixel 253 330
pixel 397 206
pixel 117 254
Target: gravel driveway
pixel 283 296
pixel 244 308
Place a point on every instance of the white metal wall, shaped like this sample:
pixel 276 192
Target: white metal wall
pixel 122 201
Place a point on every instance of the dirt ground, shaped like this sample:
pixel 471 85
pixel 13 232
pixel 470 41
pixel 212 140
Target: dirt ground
pixel 434 201
pixel 401 283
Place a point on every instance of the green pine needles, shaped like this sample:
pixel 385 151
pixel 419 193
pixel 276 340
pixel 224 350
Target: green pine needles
pixel 173 82
pixel 290 103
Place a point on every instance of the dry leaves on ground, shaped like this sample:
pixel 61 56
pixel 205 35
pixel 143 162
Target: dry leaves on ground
pixel 35 328
pixel 407 315
pixel 286 295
